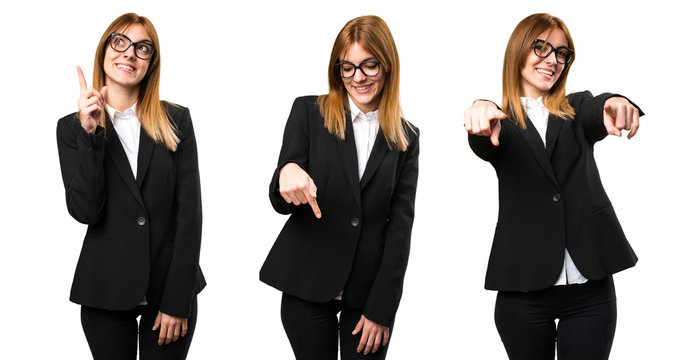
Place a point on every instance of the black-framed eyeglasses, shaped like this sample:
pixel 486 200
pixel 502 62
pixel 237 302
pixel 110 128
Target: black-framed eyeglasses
pixel 543 49
pixel 368 68
pixel 142 49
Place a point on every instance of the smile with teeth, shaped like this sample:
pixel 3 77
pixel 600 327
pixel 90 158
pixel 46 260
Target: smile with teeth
pixel 546 72
pixel 363 88
pixel 125 67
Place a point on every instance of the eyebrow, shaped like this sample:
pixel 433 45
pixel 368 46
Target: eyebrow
pixel 556 47
pixel 366 60
pixel 128 36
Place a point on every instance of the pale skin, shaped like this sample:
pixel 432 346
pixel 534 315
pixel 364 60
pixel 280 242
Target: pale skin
pixel 297 187
pixel 90 103
pixel 483 117
pixel 121 92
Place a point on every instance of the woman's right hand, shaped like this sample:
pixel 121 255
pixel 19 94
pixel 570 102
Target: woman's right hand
pixel 90 104
pixel 483 119
pixel 297 187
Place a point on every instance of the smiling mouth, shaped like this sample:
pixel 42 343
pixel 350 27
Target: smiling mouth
pixel 545 72
pixel 125 67
pixel 363 88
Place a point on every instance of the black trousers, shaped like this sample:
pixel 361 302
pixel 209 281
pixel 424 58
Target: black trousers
pixel 587 315
pixel 313 330
pixel 113 335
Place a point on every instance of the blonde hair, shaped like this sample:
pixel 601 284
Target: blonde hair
pixel 150 110
pixel 518 48
pixel 373 34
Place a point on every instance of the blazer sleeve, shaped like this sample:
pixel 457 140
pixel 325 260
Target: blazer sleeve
pixel 184 279
pixel 589 113
pixel 385 293
pixel 481 145
pixel 81 158
pixel 294 149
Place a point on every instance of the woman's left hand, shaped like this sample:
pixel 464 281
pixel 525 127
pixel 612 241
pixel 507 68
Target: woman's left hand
pixel 372 335
pixel 171 328
pixel 619 114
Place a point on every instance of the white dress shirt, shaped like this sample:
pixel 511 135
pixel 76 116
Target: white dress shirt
pixel 127 129
pixel 538 114
pixel 365 129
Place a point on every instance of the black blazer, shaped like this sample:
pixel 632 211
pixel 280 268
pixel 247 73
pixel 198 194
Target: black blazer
pixel 362 241
pixel 143 234
pixel 550 198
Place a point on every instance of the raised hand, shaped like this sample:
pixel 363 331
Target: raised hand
pixel 619 114
pixel 483 119
pixel 297 187
pixel 90 103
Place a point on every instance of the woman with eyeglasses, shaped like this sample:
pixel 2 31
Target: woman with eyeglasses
pixel 558 240
pixel 129 165
pixel 347 176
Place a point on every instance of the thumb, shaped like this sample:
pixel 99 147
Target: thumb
pixel 611 129
pixel 500 115
pixel 312 189
pixel 359 325
pixel 608 119
pixel 608 109
pixel 157 322
pixel 104 91
pixel 495 133
pixel 183 325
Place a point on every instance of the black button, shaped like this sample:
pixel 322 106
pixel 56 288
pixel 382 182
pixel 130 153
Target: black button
pixel 141 221
pixel 556 197
pixel 355 222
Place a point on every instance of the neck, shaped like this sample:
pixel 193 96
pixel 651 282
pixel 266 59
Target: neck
pixel 122 98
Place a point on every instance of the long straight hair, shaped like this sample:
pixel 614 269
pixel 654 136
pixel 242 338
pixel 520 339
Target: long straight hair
pixel 150 110
pixel 518 49
pixel 373 34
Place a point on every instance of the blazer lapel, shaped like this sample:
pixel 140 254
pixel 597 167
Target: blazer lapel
pixel 379 149
pixel 554 125
pixel 533 139
pixel 347 149
pixel 118 157
pixel 144 156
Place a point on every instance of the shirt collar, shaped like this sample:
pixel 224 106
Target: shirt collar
pixel 125 115
pixel 356 113
pixel 532 104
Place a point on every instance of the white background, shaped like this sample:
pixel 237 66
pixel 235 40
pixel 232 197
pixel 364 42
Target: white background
pixel 239 66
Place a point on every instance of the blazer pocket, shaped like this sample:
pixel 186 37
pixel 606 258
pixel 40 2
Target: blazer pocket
pixel 512 222
pixel 600 208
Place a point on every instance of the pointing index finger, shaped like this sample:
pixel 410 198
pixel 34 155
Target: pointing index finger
pixel 312 198
pixel 81 80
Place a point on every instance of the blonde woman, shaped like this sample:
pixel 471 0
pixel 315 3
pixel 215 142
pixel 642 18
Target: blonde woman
pixel 347 176
pixel 129 165
pixel 558 240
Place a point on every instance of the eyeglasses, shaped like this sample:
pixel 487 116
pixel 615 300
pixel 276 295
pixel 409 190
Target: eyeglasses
pixel 348 70
pixel 543 49
pixel 142 49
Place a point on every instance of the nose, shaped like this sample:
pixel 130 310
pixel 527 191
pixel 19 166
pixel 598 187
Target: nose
pixel 552 58
pixel 129 53
pixel 359 76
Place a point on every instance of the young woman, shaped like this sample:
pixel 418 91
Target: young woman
pixel 129 165
pixel 558 240
pixel 347 174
